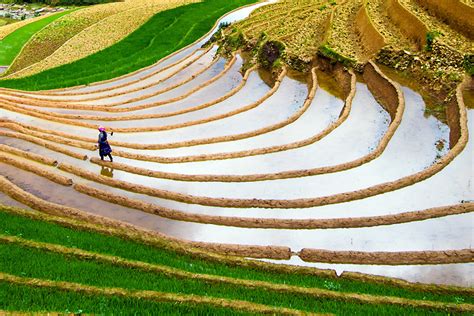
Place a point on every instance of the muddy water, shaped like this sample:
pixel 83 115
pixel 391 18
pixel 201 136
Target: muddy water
pixel 30 120
pixel 449 232
pixel 459 274
pixel 166 96
pixel 452 232
pixel 411 150
pixel 271 111
pixel 196 115
pixel 415 146
pixel 40 150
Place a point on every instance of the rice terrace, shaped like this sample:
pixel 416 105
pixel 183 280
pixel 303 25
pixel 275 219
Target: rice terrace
pixel 208 157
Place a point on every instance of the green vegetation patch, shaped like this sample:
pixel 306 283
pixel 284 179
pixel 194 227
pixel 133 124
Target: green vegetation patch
pixel 31 299
pixel 165 33
pixel 15 225
pixel 57 267
pixel 327 51
pixel 11 45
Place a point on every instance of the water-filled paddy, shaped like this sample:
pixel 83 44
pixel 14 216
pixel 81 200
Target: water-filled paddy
pixel 252 119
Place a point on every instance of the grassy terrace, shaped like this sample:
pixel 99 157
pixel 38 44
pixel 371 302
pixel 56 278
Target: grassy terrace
pixel 11 45
pixel 163 34
pixel 165 274
pixel 42 300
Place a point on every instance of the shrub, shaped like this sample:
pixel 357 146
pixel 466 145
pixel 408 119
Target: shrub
pixel 271 53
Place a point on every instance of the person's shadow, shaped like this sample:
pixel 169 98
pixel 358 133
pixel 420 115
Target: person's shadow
pixel 106 171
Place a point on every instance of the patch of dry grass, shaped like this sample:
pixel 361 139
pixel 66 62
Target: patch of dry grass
pixel 446 34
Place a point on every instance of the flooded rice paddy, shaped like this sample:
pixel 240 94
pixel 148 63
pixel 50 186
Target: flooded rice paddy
pixel 227 157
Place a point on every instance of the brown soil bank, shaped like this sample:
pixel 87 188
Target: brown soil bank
pixel 388 258
pixel 458 15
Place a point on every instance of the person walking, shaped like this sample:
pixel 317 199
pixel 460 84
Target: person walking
pixel 104 147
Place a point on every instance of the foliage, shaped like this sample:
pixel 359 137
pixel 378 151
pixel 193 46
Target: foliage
pixel 5 21
pixel 51 266
pixel 31 299
pixel 430 37
pixel 469 64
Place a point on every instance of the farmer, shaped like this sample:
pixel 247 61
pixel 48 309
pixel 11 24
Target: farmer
pixel 104 147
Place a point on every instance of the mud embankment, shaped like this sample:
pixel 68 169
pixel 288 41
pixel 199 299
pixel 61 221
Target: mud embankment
pixel 371 39
pixel 388 258
pixel 28 155
pixel 24 165
pixel 408 23
pixel 385 91
pixel 457 14
pixel 46 144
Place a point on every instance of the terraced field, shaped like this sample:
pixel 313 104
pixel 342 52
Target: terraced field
pixel 340 172
pixel 13 37
pixel 84 33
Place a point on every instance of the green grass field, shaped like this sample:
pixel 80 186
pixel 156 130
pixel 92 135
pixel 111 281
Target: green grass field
pixel 45 264
pixel 11 45
pixel 165 33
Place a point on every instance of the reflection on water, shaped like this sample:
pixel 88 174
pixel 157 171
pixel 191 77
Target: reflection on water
pixel 106 171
